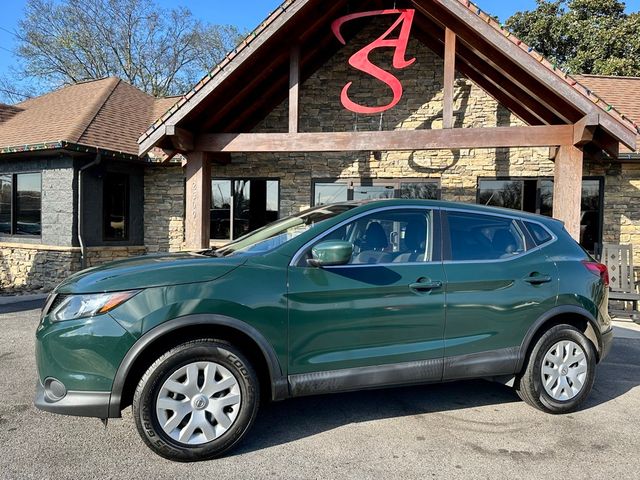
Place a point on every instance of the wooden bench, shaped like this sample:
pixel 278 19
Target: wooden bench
pixel 623 288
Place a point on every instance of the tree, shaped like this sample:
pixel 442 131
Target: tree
pixel 585 36
pixel 163 52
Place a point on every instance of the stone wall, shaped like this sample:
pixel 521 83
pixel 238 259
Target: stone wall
pixel 25 267
pixel 164 208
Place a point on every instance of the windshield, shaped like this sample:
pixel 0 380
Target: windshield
pixel 273 235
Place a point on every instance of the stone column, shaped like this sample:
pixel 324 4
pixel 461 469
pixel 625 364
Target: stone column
pixel 198 201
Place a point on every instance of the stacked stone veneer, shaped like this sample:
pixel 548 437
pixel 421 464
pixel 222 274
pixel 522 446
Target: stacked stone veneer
pixel 421 108
pixel 164 208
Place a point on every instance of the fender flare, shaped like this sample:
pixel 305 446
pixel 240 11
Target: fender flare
pixel 554 312
pixel 279 384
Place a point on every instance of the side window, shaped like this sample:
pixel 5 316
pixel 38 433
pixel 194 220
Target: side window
pixel 483 237
pixel 539 233
pixel 397 236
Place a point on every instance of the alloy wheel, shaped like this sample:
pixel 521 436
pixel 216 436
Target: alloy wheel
pixel 564 370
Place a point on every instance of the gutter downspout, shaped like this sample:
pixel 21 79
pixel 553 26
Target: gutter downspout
pixel 83 247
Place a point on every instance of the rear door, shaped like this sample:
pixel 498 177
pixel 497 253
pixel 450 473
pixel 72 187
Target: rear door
pixel 498 284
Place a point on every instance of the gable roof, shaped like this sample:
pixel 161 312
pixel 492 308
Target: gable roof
pixel 107 114
pixel 509 70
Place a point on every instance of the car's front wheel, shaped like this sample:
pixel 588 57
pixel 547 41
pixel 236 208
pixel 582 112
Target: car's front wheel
pixel 196 401
pixel 560 371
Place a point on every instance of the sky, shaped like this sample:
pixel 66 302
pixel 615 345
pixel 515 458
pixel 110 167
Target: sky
pixel 246 14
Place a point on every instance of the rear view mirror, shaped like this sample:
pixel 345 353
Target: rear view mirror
pixel 331 254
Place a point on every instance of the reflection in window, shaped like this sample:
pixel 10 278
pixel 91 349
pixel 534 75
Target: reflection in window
pixel 115 207
pixel 241 206
pixel 20 211
pixel 328 193
pixel 28 204
pixel 6 194
pixel 501 193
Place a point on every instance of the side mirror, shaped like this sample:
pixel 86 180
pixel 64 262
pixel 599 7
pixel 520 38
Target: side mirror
pixel 331 254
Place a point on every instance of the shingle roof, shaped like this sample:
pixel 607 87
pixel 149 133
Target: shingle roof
pixel 108 114
pixel 622 92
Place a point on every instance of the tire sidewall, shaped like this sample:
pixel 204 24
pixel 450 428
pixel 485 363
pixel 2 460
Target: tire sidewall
pixel 151 384
pixel 552 337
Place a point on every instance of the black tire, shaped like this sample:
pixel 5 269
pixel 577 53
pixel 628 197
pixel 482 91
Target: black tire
pixel 148 389
pixel 529 386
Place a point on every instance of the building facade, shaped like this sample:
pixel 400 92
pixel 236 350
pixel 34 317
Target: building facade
pixel 96 198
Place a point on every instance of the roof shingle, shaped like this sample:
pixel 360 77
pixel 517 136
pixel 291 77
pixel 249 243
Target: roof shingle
pixel 109 114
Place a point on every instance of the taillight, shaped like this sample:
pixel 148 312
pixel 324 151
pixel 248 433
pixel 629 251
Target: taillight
pixel 598 269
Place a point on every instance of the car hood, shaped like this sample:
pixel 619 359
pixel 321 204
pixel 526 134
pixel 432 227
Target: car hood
pixel 149 271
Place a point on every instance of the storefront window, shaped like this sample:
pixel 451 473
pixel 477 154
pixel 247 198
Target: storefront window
pixel 326 193
pixel 21 211
pixel 536 196
pixel 241 206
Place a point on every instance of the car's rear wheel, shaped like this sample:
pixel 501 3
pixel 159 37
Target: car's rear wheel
pixel 560 371
pixel 196 401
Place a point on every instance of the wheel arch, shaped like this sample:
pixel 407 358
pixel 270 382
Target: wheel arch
pixel 172 333
pixel 576 316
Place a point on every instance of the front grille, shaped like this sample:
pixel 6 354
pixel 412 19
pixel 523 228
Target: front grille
pixel 52 302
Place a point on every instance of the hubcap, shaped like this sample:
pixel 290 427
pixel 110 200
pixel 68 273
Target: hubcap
pixel 198 403
pixel 564 370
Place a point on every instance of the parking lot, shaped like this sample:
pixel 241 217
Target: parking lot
pixel 460 430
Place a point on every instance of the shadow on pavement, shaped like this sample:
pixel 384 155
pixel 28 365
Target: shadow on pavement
pixel 24 306
pixel 283 422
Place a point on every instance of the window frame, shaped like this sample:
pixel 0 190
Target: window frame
pixel 436 240
pixel 601 186
pixel 13 207
pixel 530 247
pixel 354 182
pixel 233 180
pixel 127 208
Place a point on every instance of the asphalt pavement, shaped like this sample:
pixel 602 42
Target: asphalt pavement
pixel 458 430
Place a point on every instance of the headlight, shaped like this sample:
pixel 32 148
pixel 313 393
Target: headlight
pixel 82 306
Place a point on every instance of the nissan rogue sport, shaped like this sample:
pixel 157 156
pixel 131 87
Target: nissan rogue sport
pixel 338 298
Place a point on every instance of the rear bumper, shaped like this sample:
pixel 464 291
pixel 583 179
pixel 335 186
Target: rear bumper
pixel 77 404
pixel 607 343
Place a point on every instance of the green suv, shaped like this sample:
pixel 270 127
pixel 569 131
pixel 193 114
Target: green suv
pixel 342 297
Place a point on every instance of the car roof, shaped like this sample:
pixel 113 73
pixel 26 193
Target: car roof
pixel 373 204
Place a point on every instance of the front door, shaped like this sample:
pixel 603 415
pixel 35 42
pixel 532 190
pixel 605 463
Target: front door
pixel 386 307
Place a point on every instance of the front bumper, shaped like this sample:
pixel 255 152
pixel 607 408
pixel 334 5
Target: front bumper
pixel 78 404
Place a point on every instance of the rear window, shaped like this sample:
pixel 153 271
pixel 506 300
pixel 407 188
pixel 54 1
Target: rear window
pixel 483 237
pixel 539 233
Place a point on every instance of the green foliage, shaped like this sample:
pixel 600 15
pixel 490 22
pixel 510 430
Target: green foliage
pixel 584 36
pixel 163 52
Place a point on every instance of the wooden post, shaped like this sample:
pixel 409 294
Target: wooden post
pixel 567 188
pixel 198 201
pixel 294 89
pixel 449 78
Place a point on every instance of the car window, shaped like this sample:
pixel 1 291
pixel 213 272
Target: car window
pixel 539 233
pixel 395 236
pixel 483 237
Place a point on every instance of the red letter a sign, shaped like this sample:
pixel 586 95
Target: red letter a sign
pixel 360 60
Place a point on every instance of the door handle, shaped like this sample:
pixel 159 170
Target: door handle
pixel 425 286
pixel 537 279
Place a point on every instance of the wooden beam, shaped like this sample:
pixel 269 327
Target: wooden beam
pixel 585 129
pixel 399 140
pixel 182 139
pixel 294 89
pixel 198 202
pixel 567 188
pixel 168 155
pixel 449 77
